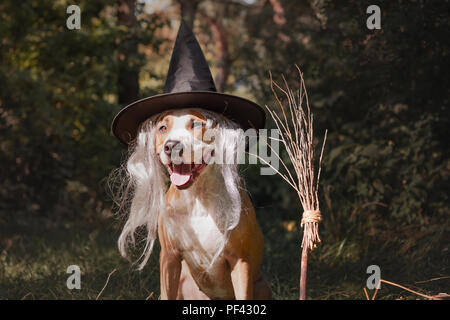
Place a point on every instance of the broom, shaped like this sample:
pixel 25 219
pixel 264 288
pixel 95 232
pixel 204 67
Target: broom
pixel 295 126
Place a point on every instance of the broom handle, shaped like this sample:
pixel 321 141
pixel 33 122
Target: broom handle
pixel 303 270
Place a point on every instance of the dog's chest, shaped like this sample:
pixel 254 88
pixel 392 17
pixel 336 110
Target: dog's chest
pixel 196 233
pixel 205 232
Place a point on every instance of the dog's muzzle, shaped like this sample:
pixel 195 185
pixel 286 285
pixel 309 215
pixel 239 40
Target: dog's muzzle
pixel 182 174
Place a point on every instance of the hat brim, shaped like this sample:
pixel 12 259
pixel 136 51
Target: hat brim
pixel 244 112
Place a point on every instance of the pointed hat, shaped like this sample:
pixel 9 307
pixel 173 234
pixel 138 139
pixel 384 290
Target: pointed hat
pixel 189 84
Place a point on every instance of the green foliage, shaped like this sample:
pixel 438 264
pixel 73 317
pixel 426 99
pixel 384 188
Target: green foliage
pixel 57 99
pixel 382 94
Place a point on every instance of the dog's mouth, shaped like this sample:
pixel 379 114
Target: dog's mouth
pixel 184 175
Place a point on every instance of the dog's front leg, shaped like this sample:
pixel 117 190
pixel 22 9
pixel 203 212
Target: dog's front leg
pixel 242 280
pixel 170 268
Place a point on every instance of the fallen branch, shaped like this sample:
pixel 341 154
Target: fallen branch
pixel 401 287
pixel 107 280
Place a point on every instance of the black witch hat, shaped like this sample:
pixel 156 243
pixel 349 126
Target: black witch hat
pixel 189 84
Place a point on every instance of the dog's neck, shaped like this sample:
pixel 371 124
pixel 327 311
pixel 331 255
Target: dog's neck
pixel 207 196
pixel 202 216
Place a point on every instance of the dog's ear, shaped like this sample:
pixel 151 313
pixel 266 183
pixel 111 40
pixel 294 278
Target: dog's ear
pixel 146 191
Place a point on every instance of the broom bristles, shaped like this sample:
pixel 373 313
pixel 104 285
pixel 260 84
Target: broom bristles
pixel 295 125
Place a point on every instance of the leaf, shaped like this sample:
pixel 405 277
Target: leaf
pixel 369 150
pixel 378 186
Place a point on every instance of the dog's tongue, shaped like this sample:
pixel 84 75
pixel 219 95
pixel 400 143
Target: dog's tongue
pixel 181 174
pixel 180 179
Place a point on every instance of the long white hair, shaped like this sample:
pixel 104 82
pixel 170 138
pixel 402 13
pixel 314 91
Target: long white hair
pixel 142 190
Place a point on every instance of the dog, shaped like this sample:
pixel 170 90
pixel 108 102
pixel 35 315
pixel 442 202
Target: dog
pixel 211 243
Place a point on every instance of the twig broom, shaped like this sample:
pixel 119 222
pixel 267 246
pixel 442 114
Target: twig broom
pixel 295 126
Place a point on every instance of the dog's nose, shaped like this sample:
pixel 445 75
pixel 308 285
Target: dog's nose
pixel 170 145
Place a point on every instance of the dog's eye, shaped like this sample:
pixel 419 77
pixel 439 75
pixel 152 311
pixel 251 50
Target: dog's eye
pixel 162 129
pixel 196 124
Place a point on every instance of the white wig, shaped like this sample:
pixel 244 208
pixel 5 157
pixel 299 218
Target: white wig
pixel 144 184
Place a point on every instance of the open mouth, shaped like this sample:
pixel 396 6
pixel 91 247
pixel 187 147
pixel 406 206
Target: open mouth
pixel 184 174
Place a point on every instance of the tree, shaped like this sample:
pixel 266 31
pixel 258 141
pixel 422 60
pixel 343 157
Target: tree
pixel 128 77
pixel 188 10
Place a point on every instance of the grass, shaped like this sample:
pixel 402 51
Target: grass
pixel 34 263
pixel 36 251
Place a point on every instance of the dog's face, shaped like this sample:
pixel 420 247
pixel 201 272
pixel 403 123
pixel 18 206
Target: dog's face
pixel 183 143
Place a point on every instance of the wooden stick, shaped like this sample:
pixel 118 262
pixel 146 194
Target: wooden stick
pixel 412 291
pixel 303 273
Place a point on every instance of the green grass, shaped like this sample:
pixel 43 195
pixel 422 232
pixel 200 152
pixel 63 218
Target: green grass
pixel 35 263
pixel 36 251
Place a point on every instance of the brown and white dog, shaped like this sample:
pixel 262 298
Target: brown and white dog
pixel 211 243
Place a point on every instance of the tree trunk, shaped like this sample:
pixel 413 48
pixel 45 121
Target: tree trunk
pixel 223 60
pixel 128 77
pixel 188 10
